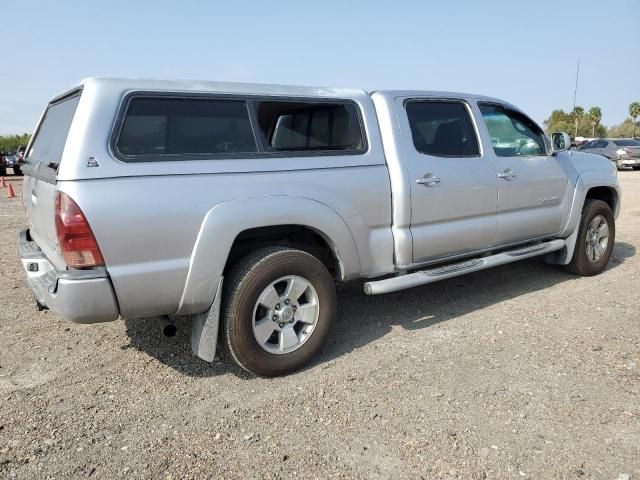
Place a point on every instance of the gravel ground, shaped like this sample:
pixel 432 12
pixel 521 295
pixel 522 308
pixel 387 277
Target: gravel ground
pixel 523 371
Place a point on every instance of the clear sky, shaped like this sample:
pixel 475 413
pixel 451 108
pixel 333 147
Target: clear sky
pixel 522 51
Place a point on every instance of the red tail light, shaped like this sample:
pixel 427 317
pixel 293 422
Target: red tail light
pixel 76 240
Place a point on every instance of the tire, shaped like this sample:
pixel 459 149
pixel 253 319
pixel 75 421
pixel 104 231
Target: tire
pixel 248 295
pixel 581 263
pixel 17 171
pixel 636 167
pixel 3 172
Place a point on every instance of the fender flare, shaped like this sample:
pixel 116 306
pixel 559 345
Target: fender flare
pixel 585 182
pixel 226 220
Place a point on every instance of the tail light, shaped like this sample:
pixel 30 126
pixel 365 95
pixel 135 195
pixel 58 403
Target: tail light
pixel 77 242
pixel 623 152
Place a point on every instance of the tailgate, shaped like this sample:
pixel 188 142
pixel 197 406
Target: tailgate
pixel 42 161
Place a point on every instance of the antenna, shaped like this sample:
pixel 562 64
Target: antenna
pixel 575 91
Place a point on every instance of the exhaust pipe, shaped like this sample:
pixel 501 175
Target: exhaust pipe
pixel 169 328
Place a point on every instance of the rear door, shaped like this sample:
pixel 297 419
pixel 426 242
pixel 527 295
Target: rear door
pixel 533 194
pixel 42 160
pixel 452 181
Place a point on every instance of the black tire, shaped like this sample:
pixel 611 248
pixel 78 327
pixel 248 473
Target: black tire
pixel 246 281
pixel 17 171
pixel 580 263
pixel 636 167
pixel 3 172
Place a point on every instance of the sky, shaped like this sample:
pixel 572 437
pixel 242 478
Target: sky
pixel 524 52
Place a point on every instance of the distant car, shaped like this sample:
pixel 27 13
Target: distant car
pixel 10 159
pixel 19 160
pixel 624 152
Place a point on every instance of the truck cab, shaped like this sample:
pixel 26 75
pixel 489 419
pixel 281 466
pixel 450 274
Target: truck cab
pixel 473 173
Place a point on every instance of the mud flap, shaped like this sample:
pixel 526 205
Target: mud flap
pixel 564 256
pixel 204 329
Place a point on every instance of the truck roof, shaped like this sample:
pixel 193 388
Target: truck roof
pixel 202 86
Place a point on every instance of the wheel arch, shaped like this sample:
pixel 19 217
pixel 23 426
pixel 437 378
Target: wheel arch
pixel 607 194
pixel 595 185
pixel 302 237
pixel 237 222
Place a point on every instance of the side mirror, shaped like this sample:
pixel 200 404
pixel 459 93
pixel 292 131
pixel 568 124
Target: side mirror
pixel 560 141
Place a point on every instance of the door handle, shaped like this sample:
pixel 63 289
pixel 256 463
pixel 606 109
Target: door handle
pixel 428 180
pixel 508 174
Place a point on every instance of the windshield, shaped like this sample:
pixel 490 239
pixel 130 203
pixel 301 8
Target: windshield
pixel 51 136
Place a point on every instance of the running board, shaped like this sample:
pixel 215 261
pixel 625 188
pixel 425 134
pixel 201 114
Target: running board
pixel 432 275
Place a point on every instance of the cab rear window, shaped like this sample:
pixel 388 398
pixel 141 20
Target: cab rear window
pixel 50 138
pixel 184 127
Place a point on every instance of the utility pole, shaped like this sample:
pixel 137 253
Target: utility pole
pixel 575 91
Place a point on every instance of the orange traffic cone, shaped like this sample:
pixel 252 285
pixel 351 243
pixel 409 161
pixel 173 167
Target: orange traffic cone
pixel 2 184
pixel 10 193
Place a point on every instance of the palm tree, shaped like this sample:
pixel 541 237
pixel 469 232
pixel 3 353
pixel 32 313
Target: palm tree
pixel 595 115
pixel 634 111
pixel 577 114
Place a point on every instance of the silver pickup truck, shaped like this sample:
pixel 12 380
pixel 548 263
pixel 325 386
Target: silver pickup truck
pixel 240 205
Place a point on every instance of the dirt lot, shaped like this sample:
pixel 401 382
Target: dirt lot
pixel 520 372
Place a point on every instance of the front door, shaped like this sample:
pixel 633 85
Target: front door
pixel 533 193
pixel 453 183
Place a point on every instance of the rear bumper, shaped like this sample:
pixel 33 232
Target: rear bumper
pixel 82 296
pixel 628 162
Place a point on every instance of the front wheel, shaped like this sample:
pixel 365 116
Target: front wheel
pixel 279 304
pixel 595 240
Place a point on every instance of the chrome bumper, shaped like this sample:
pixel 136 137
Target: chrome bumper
pixel 628 162
pixel 82 296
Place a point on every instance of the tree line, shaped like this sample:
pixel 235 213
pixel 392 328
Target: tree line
pixel 10 143
pixel 581 123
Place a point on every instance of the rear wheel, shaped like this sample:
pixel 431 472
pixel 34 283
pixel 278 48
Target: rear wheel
pixel 278 307
pixel 3 172
pixel 595 239
pixel 636 167
pixel 17 171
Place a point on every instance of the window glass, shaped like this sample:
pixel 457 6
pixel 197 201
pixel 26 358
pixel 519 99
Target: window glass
pixel 305 126
pixel 512 133
pixel 627 143
pixel 442 129
pixel 51 136
pixel 185 126
pixel 588 145
pixel 600 144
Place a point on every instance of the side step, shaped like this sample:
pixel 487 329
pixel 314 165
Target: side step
pixel 432 275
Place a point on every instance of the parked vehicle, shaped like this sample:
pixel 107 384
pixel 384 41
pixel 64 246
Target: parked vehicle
pixel 3 165
pixel 239 205
pixel 10 159
pixel 19 160
pixel 624 152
